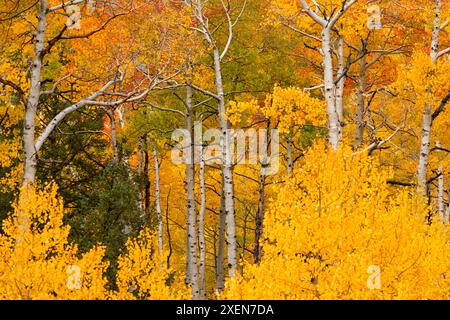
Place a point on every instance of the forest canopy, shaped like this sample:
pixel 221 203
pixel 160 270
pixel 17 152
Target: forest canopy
pixel 224 149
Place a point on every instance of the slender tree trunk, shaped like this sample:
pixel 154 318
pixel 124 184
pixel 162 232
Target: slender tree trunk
pixel 220 279
pixel 146 179
pixel 30 156
pixel 227 169
pixel 139 172
pixel 114 146
pixel 340 86
pixel 244 240
pixel 441 208
pixel 126 160
pixel 290 161
pixel 201 228
pixel 422 186
pixel 361 104
pixel 447 212
pixel 169 236
pixel 436 31
pixel 191 236
pixel 264 144
pixel 158 203
pixel 427 119
pixel 334 125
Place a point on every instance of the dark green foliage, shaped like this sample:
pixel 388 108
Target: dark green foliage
pixel 108 213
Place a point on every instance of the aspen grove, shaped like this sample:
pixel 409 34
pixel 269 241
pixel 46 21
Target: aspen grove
pixel 224 149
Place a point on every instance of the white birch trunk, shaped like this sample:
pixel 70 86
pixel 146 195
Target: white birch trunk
pixel 422 185
pixel 334 125
pixel 220 279
pixel 191 228
pixel 30 153
pixel 158 203
pixel 201 228
pixel 340 86
pixel 447 212
pixel 361 104
pixel 427 120
pixel 227 169
pixel 264 145
pixel 327 23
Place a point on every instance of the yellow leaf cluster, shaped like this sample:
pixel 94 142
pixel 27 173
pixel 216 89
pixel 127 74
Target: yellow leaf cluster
pixel 36 262
pixel 288 106
pixel 336 230
pixel 143 273
pixel 293 107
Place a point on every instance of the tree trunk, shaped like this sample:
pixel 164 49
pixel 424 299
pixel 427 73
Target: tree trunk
pixel 146 179
pixel 441 209
pixel 427 119
pixel 422 186
pixel 227 169
pixel 126 158
pixel 139 173
pixel 334 125
pixel 201 228
pixel 447 212
pixel 191 229
pixel 361 104
pixel 112 122
pixel 290 161
pixel 30 156
pixel 436 32
pixel 341 81
pixel 264 143
pixel 158 203
pixel 220 279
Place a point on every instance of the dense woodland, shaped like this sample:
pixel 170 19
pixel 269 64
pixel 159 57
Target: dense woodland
pixel 348 198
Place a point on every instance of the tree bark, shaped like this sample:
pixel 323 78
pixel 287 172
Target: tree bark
pixel 30 153
pixel 264 143
pixel 227 168
pixel 201 228
pixel 220 280
pixel 112 121
pixel 290 161
pixel 427 119
pixel 158 203
pixel 361 104
pixel 441 207
pixel 340 86
pixel 447 212
pixel 334 125
pixel 422 186
pixel 146 179
pixel 191 229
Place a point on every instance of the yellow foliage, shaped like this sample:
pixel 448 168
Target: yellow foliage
pixel 143 273
pixel 290 106
pixel 293 106
pixel 36 262
pixel 334 225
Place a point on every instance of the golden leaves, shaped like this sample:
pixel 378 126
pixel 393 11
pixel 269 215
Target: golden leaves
pixel 330 222
pixel 35 255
